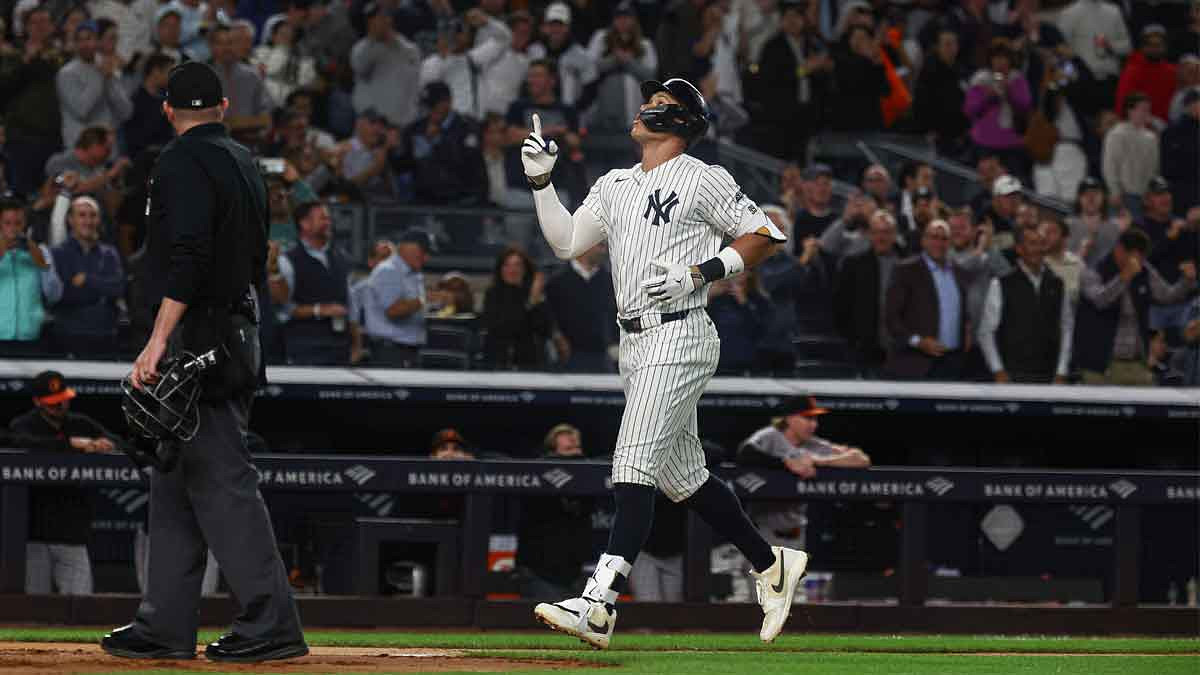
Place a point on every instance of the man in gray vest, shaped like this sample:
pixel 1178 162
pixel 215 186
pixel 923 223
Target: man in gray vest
pixel 314 288
pixel 1027 325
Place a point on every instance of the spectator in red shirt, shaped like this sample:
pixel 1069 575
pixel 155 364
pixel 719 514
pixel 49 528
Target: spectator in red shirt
pixel 1148 71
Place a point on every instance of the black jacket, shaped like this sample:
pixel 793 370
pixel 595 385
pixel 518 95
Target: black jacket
pixel 856 311
pixel 60 515
pixel 938 101
pixel 147 126
pixel 452 172
pixel 861 86
pixel 516 332
pixel 1181 162
pixel 207 231
pixel 584 310
pixel 772 90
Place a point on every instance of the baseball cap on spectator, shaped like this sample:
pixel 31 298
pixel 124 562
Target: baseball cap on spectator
pixel 371 115
pixel 418 237
pixel 169 8
pixel 447 436
pixel 88 25
pixel 1006 185
pixel 49 388
pixel 1091 183
pixel 817 170
pixel 268 31
pixel 1153 29
pixel 785 5
pixel 805 405
pixel 1158 185
pixel 922 192
pixel 194 85
pixel 625 8
pixel 435 92
pixel 558 11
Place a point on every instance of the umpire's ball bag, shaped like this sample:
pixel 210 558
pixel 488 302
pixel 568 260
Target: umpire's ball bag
pixel 235 340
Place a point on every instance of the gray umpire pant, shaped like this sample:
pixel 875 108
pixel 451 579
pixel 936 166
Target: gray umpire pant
pixel 211 501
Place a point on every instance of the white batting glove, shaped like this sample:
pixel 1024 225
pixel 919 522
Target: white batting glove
pixel 674 283
pixel 538 156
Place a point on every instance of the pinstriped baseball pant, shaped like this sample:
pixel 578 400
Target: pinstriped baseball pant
pixel 67 565
pixel 664 370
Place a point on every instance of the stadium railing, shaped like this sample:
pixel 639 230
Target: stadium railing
pixel 480 482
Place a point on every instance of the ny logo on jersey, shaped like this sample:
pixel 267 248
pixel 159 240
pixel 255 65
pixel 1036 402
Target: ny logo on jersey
pixel 662 210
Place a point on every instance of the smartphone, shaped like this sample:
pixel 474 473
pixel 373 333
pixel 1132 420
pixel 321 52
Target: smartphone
pixel 271 165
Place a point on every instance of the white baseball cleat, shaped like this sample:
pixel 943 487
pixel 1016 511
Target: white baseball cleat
pixel 582 618
pixel 776 586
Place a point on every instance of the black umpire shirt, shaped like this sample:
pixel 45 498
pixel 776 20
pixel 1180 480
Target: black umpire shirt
pixel 206 216
pixel 61 515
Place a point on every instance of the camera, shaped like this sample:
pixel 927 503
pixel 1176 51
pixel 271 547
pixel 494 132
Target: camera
pixel 271 165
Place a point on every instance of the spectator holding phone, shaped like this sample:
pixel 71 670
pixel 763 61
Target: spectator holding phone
pixel 28 283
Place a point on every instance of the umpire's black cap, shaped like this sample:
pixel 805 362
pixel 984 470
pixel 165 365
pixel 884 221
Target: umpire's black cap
pixel 194 85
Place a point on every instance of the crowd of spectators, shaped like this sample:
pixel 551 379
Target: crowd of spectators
pixel 424 102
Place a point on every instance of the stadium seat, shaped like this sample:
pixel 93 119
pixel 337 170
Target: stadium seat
pixel 374 533
pixel 821 347
pixel 818 369
pixel 452 338
pixel 444 359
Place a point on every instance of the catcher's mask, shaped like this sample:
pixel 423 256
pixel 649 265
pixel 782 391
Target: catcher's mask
pixel 167 409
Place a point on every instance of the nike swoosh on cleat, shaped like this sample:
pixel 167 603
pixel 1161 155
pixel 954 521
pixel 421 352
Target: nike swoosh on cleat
pixel 778 588
pixel 566 609
pixel 598 628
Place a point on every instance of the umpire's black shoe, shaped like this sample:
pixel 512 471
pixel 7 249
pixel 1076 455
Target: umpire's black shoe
pixel 235 648
pixel 126 643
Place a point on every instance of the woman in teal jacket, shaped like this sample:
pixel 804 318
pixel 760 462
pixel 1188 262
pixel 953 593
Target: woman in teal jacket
pixel 27 283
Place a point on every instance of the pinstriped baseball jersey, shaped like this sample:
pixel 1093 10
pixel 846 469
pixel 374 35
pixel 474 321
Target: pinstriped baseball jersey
pixel 680 211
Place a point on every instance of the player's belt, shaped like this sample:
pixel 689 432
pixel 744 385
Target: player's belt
pixel 634 325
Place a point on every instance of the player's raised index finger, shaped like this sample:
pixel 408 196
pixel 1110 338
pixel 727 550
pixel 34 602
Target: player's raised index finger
pixel 537 124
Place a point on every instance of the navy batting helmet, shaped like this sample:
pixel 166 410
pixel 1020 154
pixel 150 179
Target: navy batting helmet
pixel 688 119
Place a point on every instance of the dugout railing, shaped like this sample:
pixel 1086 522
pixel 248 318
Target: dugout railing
pixel 918 490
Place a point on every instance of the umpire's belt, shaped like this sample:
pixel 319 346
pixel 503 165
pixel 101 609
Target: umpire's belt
pixel 636 325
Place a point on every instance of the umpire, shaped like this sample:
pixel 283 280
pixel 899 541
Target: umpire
pixel 206 253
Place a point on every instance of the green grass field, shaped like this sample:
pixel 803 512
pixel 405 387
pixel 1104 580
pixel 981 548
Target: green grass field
pixel 698 654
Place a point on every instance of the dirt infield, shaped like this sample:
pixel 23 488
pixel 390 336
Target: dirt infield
pixel 31 658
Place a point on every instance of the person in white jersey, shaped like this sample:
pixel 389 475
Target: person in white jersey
pixel 665 220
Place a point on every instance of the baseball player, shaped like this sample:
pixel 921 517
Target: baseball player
pixel 664 219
